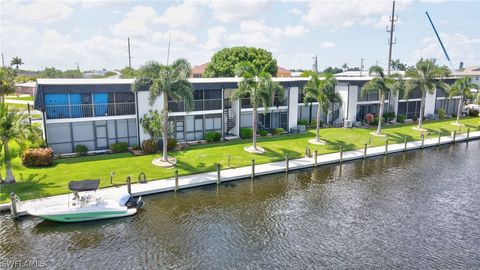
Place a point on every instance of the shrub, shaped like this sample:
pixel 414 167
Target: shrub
pixel 441 113
pixel 213 136
pixel 81 149
pixel 246 133
pixel 171 144
pixel 473 113
pixel 313 124
pixel 278 131
pixel 454 115
pixel 375 121
pixel 135 147
pixel 389 116
pixel 119 147
pixel 369 118
pixel 302 122
pixel 149 146
pixel 263 132
pixel 401 118
pixel 38 157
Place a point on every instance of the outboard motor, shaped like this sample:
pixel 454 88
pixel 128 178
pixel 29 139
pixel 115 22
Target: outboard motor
pixel 129 201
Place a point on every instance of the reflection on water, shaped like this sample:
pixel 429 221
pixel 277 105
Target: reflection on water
pixel 419 209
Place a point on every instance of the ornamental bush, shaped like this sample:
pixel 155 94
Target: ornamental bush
pixel 302 122
pixel 81 149
pixel 246 133
pixel 38 157
pixel 263 132
pixel 119 147
pixel 213 136
pixel 171 144
pixel 473 113
pixel 401 118
pixel 149 146
pixel 278 131
pixel 369 118
pixel 441 113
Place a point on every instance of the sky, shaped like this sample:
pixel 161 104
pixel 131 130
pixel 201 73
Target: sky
pixel 94 33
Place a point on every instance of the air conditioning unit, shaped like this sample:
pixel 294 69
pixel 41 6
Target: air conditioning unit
pixel 347 123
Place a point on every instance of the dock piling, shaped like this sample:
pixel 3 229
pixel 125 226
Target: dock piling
pixel 253 168
pixel 404 144
pixel 468 134
pixel 13 206
pixel 176 180
pixel 454 136
pixel 286 163
pixel 315 158
pixel 365 151
pixel 341 154
pixel 129 185
pixel 218 174
pixel 423 140
pixel 111 177
pixel 386 147
pixel 439 138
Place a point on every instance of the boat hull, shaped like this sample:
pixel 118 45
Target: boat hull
pixel 85 216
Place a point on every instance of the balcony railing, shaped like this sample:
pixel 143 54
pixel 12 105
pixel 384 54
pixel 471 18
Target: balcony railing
pixel 198 105
pixel 89 110
pixel 277 102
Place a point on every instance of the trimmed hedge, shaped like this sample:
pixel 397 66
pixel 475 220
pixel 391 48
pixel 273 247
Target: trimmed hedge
pixel 171 144
pixel 38 157
pixel 81 149
pixel 213 136
pixel 246 133
pixel 401 118
pixel 278 131
pixel 119 147
pixel 263 132
pixel 302 122
pixel 149 146
pixel 473 113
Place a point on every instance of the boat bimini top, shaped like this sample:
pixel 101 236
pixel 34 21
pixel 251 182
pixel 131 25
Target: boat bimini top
pixel 84 185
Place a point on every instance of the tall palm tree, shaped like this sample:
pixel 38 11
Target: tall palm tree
pixel 384 85
pixel 14 126
pixel 7 83
pixel 169 81
pixel 323 92
pixel 259 87
pixel 461 87
pixel 17 62
pixel 426 76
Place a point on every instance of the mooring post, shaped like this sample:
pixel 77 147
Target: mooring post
pixel 341 154
pixel 423 140
pixel 439 138
pixel 386 147
pixel 176 180
pixel 468 134
pixel 13 206
pixel 129 185
pixel 229 159
pixel 111 177
pixel 316 158
pixel 218 174
pixel 454 136
pixel 365 151
pixel 253 168
pixel 286 163
pixel 404 144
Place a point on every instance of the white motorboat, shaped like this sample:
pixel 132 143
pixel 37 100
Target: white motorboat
pixel 85 205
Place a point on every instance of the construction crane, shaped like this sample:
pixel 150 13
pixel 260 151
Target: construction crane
pixel 439 39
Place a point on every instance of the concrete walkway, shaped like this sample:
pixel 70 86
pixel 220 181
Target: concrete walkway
pixel 195 180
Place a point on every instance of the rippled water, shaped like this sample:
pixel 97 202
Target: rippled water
pixel 413 210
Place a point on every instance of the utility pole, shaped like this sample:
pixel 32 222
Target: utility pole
pixel 3 61
pixel 129 56
pixel 78 67
pixel 393 19
pixel 361 65
pixel 315 64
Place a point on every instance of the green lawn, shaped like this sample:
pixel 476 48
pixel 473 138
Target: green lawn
pixel 39 182
pixel 14 106
pixel 26 98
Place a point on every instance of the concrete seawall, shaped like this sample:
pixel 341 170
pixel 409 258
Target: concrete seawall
pixel 195 180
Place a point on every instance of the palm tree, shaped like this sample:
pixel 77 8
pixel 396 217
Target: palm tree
pixel 259 87
pixel 17 62
pixel 7 83
pixel 169 81
pixel 426 76
pixel 461 87
pixel 323 92
pixel 384 85
pixel 14 126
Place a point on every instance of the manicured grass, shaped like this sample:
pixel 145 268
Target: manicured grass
pixel 26 98
pixel 39 182
pixel 14 106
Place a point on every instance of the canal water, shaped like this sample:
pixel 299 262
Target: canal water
pixel 420 209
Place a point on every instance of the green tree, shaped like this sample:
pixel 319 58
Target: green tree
pixel 397 65
pixel 225 61
pixel 17 62
pixel 426 76
pixel 152 124
pixel 461 87
pixel 332 70
pixel 127 73
pixel 14 126
pixel 168 81
pixel 50 72
pixel 258 86
pixel 383 85
pixel 323 92
pixel 72 73
pixel 7 82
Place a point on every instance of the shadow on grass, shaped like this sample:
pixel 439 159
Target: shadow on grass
pixel 31 187
pixel 336 144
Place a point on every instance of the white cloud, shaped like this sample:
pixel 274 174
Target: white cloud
pixel 186 14
pixel 296 11
pixel 460 47
pixel 344 14
pixel 229 11
pixel 178 37
pixel 39 12
pixel 215 38
pixel 328 44
pixel 137 22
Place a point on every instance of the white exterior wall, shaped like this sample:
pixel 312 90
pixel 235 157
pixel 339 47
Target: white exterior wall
pixel 144 107
pixel 349 95
pixel 292 107
pixel 430 101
